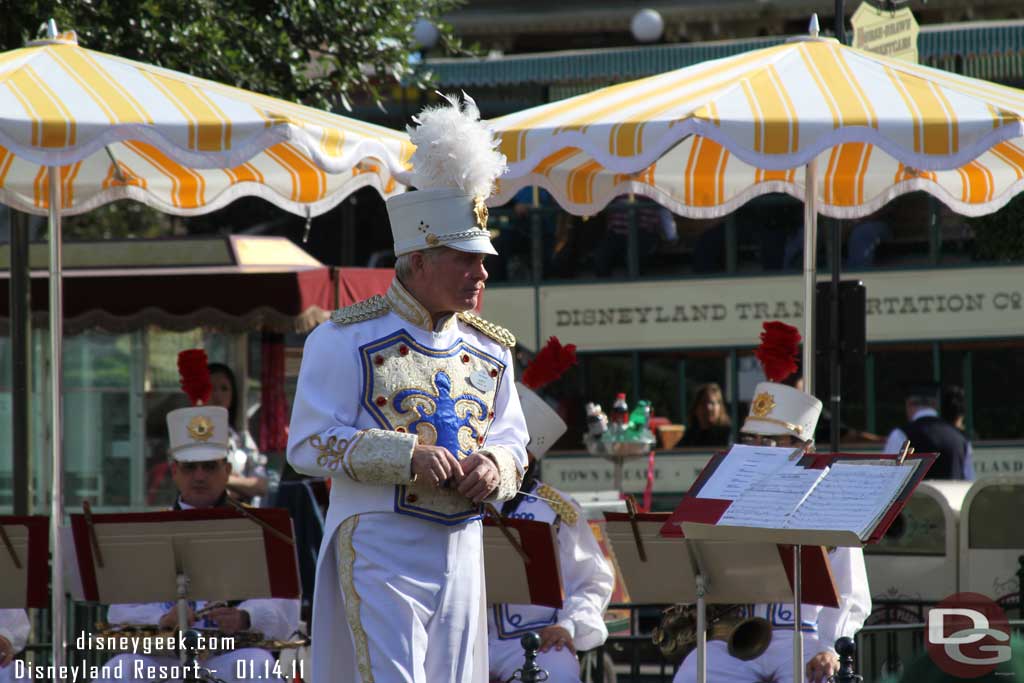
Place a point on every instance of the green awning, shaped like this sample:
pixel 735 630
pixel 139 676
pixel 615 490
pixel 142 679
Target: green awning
pixel 990 50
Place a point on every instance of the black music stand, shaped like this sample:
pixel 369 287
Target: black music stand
pixel 712 570
pixel 24 554
pixel 167 556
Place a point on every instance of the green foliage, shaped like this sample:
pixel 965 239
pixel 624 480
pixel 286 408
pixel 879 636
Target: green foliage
pixel 1000 236
pixel 322 53
pixel 124 219
pixel 317 52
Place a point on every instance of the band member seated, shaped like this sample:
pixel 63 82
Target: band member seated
pixel 14 629
pixel 781 415
pixel 586 576
pixel 200 469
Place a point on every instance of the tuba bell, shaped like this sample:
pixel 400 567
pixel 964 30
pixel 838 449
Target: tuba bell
pixel 745 637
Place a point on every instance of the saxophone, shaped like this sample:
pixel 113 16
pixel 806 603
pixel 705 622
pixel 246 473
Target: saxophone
pixel 746 637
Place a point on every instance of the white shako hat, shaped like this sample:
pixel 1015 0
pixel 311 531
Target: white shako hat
pixel 199 432
pixel 543 424
pixel 454 168
pixel 778 408
pixel 782 409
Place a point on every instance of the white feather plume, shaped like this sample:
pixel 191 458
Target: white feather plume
pixel 455 149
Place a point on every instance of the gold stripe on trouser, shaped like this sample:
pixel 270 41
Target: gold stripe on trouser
pixel 346 561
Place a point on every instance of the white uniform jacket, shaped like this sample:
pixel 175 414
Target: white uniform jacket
pixel 823 626
pixel 15 627
pixel 377 379
pixel 275 618
pixel 587 578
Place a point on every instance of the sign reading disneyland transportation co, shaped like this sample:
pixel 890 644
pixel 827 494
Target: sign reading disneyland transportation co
pixel 885 32
pixel 906 305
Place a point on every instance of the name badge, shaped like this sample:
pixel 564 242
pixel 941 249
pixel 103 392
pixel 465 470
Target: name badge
pixel 482 380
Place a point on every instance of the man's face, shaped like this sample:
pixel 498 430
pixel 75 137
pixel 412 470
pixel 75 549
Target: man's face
pixel 453 280
pixel 201 484
pixel 775 440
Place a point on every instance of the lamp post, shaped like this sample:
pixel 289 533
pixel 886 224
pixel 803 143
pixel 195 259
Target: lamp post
pixel 647 26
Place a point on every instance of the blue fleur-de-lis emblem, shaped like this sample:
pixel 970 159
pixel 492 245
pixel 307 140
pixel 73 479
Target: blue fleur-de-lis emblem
pixel 442 412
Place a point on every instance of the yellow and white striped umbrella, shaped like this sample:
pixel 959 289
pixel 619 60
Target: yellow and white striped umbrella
pixel 775 109
pixel 699 178
pixel 184 145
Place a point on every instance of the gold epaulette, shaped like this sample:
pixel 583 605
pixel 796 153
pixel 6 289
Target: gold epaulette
pixel 495 332
pixel 557 502
pixel 367 309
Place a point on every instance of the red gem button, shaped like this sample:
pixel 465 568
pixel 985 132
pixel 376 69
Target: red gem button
pixel 491 415
pixel 412 498
pixel 494 373
pixel 480 440
pixel 404 350
pixel 379 360
pixel 400 429
pixel 381 401
pixel 465 358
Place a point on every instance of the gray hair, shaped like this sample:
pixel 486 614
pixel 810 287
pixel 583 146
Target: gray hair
pixel 403 264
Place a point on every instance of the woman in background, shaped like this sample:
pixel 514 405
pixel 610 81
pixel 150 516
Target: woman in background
pixel 708 423
pixel 249 481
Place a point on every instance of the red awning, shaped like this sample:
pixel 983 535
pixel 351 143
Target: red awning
pixel 275 297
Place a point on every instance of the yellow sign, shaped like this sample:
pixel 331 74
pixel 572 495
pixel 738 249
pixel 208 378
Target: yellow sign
pixel 884 32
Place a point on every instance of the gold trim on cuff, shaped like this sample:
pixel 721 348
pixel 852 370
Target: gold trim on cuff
pixel 379 456
pixel 509 476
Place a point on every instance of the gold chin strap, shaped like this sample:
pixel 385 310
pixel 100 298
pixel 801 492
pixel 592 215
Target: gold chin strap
pixel 788 425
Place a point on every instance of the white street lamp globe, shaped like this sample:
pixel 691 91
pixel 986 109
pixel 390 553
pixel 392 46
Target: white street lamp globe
pixel 647 26
pixel 425 34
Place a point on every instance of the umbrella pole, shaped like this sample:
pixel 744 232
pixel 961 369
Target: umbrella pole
pixel 810 258
pixel 58 606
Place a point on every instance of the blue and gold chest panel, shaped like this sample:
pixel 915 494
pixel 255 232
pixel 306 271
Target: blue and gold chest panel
pixel 444 396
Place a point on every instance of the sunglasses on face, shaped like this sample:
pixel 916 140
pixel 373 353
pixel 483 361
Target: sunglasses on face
pixel 208 466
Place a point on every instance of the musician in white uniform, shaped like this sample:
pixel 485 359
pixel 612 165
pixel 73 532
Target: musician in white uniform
pixel 781 415
pixel 200 468
pixel 406 401
pixel 14 630
pixel 587 577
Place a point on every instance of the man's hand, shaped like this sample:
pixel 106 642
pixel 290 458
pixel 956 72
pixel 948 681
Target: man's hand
pixel 6 652
pixel 821 666
pixel 556 637
pixel 229 619
pixel 434 464
pixel 170 618
pixel 480 477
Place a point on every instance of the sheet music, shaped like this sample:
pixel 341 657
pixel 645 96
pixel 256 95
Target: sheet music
pixel 772 501
pixel 852 497
pixel 744 466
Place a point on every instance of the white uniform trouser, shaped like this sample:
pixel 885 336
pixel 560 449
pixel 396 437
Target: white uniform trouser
pixel 775 665
pixel 246 664
pixel 418 588
pixel 506 657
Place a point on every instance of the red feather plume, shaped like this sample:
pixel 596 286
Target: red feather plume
pixel 195 375
pixel 780 345
pixel 549 364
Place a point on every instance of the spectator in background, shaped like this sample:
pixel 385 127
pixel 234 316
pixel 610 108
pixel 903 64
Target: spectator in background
pixel 954 411
pixel 929 433
pixel 249 481
pixel 708 423
pixel 655 225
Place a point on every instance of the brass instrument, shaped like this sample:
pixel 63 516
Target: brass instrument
pixel 746 637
